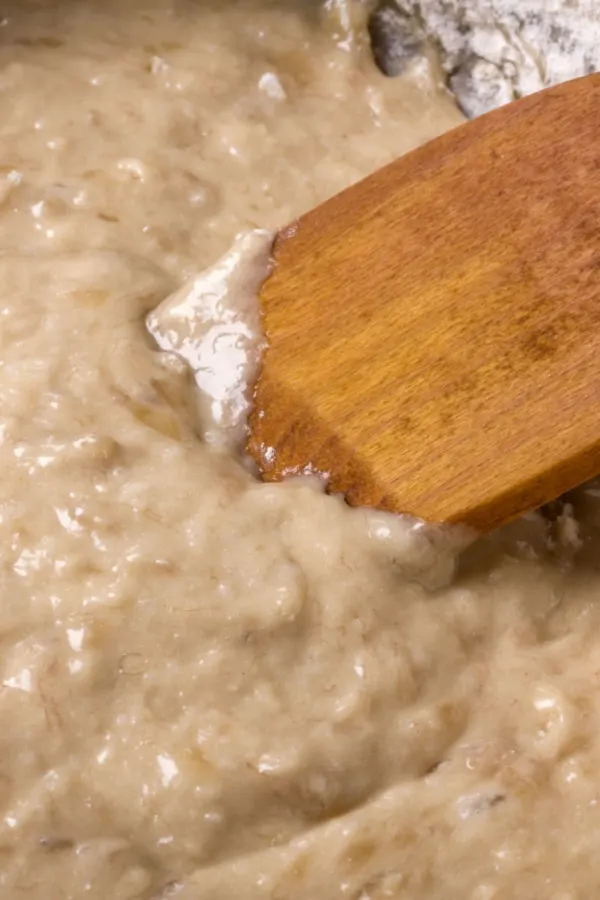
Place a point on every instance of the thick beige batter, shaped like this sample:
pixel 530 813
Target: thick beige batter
pixel 214 689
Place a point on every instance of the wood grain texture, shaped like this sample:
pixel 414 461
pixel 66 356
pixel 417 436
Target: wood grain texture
pixel 434 331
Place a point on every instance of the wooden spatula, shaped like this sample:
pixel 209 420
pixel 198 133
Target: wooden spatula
pixel 434 331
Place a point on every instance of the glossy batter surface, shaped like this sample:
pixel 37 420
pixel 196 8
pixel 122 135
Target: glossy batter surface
pixel 213 688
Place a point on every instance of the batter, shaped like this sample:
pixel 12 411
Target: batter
pixel 214 689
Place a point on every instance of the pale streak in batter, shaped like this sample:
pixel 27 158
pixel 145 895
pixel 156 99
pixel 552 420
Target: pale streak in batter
pixel 211 688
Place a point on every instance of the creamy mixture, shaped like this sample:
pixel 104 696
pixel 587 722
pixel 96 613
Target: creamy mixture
pixel 214 689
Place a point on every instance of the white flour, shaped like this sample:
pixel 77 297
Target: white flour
pixel 498 50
